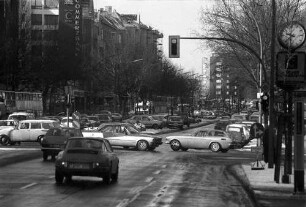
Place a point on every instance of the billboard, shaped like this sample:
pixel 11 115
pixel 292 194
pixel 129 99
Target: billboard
pixel 70 28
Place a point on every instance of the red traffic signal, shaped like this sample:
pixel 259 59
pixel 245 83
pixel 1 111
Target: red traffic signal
pixel 174 46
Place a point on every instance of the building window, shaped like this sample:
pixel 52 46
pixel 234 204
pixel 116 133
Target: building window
pixel 218 81
pixel 218 86
pixel 51 19
pixel 51 3
pixel 50 34
pixel 113 36
pixel 36 35
pixel 36 19
pixel 36 4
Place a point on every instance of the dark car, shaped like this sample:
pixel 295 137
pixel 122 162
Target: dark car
pixel 175 122
pixel 87 156
pixel 54 140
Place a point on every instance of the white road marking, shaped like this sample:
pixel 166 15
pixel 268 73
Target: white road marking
pixel 157 172
pixel 27 186
pixel 149 179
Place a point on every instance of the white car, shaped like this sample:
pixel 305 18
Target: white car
pixel 215 140
pixel 126 135
pixel 28 131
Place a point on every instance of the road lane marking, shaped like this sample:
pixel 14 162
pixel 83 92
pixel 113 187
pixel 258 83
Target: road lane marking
pixel 157 172
pixel 149 179
pixel 27 186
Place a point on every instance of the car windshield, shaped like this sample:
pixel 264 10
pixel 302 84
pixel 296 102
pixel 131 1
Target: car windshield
pixel 18 117
pixel 234 129
pixel 132 130
pixel 84 143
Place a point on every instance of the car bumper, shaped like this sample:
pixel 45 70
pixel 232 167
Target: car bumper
pixel 90 171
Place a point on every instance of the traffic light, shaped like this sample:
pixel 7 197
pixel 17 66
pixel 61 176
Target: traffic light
pixel 174 46
pixel 265 103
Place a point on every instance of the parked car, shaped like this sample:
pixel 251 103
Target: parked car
pixel 21 116
pixel 87 157
pixel 254 117
pixel 162 118
pixel 104 118
pixel 54 140
pixel 175 122
pixel 239 133
pixel 116 117
pixel 147 120
pixel 64 122
pixel 126 135
pixel 28 131
pixel 239 117
pixel 208 115
pixel 7 124
pixel 215 140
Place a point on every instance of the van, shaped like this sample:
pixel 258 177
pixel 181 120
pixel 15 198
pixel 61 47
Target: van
pixel 21 116
pixel 28 131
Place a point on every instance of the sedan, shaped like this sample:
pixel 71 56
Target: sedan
pixel 126 135
pixel 87 156
pixel 215 140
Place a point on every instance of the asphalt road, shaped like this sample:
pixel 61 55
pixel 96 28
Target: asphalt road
pixel 159 178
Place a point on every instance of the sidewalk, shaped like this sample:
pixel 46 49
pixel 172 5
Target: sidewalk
pixel 265 191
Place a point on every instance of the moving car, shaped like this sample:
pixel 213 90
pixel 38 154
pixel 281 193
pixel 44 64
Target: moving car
pixel 7 124
pixel 215 140
pixel 54 140
pixel 87 156
pixel 126 135
pixel 28 131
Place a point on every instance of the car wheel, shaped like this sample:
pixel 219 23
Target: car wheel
pixel 45 156
pixel 68 178
pixel 142 145
pixel 175 145
pixel 59 177
pixel 107 177
pixel 115 175
pixel 224 150
pixel 5 140
pixel 214 147
pixel 184 149
pixel 155 126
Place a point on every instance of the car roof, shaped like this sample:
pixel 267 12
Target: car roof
pixel 37 120
pixel 237 125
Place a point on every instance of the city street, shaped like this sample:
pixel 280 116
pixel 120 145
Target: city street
pixel 159 178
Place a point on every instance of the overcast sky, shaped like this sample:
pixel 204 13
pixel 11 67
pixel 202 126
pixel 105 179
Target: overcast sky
pixel 170 17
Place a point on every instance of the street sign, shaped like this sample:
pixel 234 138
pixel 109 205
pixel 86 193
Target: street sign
pixel 256 131
pixel 290 69
pixel 76 117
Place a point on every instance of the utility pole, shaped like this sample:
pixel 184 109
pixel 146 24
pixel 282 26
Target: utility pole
pixel 271 102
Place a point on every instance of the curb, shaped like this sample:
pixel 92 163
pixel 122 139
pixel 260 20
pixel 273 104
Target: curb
pixel 19 157
pixel 238 172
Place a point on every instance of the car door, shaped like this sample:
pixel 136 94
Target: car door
pixel 35 130
pixel 199 140
pixel 146 121
pixel 22 133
